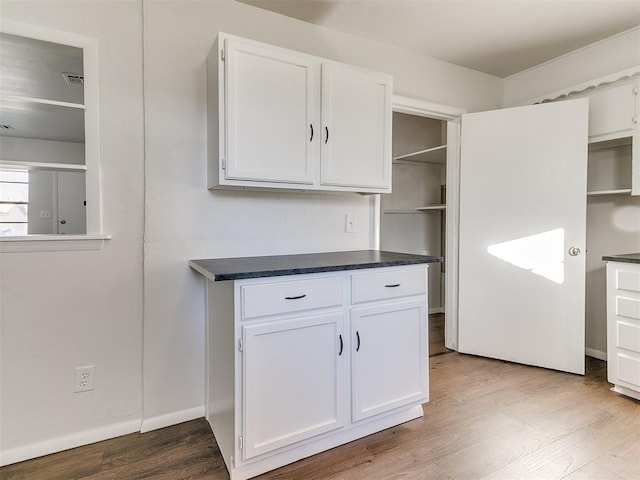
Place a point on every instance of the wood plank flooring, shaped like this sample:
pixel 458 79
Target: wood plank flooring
pixel 487 419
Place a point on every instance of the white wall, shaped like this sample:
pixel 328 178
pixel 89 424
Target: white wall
pixel 611 55
pixel 59 310
pixel 184 220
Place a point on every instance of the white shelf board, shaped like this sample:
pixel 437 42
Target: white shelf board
pixel 40 101
pixel 400 212
pixel 622 191
pixel 43 166
pixel 436 155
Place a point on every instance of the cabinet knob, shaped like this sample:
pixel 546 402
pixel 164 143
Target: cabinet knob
pixel 326 131
pixel 358 341
pixel 574 251
pixel 311 127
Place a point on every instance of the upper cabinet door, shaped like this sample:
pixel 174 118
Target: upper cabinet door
pixel 272 112
pixel 356 128
pixel 612 111
pixel 522 234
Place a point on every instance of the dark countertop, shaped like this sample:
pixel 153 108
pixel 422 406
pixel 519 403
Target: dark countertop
pixel 218 269
pixel 623 257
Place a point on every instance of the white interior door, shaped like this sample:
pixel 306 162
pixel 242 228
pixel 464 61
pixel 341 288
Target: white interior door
pixel 72 216
pixel 522 221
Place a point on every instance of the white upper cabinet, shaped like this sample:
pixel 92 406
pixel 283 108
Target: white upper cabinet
pixel 270 112
pixel 356 115
pixel 612 111
pixel 283 119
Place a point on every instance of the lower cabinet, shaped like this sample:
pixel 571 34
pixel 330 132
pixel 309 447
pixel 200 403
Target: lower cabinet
pixel 390 361
pixel 293 381
pixel 623 327
pixel 300 364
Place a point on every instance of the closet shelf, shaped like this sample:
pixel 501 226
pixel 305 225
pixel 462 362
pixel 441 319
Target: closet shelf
pixel 425 209
pixel 622 191
pixel 69 167
pixel 431 207
pixel 437 155
pixel 397 211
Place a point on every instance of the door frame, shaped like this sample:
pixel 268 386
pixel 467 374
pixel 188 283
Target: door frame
pixel 452 116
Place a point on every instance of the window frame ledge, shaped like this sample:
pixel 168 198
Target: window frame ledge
pixel 52 243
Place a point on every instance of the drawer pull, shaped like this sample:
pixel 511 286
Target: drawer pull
pixel 393 285
pixel 358 339
pixel 341 345
pixel 295 298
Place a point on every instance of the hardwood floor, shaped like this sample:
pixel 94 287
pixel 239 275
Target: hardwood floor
pixel 436 335
pixel 487 419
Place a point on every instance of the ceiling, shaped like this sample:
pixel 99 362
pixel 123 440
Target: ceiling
pixel 499 37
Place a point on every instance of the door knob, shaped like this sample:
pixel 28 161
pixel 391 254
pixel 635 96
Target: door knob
pixel 574 251
pixel 63 222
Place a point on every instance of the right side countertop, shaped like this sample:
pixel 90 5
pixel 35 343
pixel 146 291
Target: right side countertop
pixel 623 257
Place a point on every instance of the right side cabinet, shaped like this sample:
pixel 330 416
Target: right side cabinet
pixel 623 327
pixel 614 139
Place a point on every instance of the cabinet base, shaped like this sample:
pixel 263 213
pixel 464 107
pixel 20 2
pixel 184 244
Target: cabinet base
pixel 311 447
pixel 626 391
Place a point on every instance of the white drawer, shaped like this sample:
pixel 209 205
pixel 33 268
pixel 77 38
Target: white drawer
pixel 381 285
pixel 628 307
pixel 628 280
pixel 290 296
pixel 629 337
pixel 629 369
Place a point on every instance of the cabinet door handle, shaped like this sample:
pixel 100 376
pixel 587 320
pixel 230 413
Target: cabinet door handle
pixel 341 345
pixel 392 285
pixel 311 127
pixel 358 340
pixel 326 131
pixel 295 298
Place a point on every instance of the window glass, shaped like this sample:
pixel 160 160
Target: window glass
pixel 14 201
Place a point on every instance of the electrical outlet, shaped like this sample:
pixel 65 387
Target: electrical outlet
pixel 85 377
pixel 45 214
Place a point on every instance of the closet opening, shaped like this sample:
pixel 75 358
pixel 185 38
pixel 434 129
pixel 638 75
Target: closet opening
pixel 413 217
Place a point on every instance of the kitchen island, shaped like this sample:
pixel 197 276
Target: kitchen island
pixel 623 323
pixel 308 352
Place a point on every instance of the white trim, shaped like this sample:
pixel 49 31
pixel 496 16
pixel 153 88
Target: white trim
pixel 451 115
pixel 66 442
pixel 583 87
pixel 571 53
pixel 414 106
pixel 172 418
pixel 52 243
pixel 599 354
pixel 626 391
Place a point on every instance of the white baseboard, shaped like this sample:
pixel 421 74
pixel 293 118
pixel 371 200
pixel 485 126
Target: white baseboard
pixel 600 355
pixel 172 418
pixel 436 310
pixel 58 444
